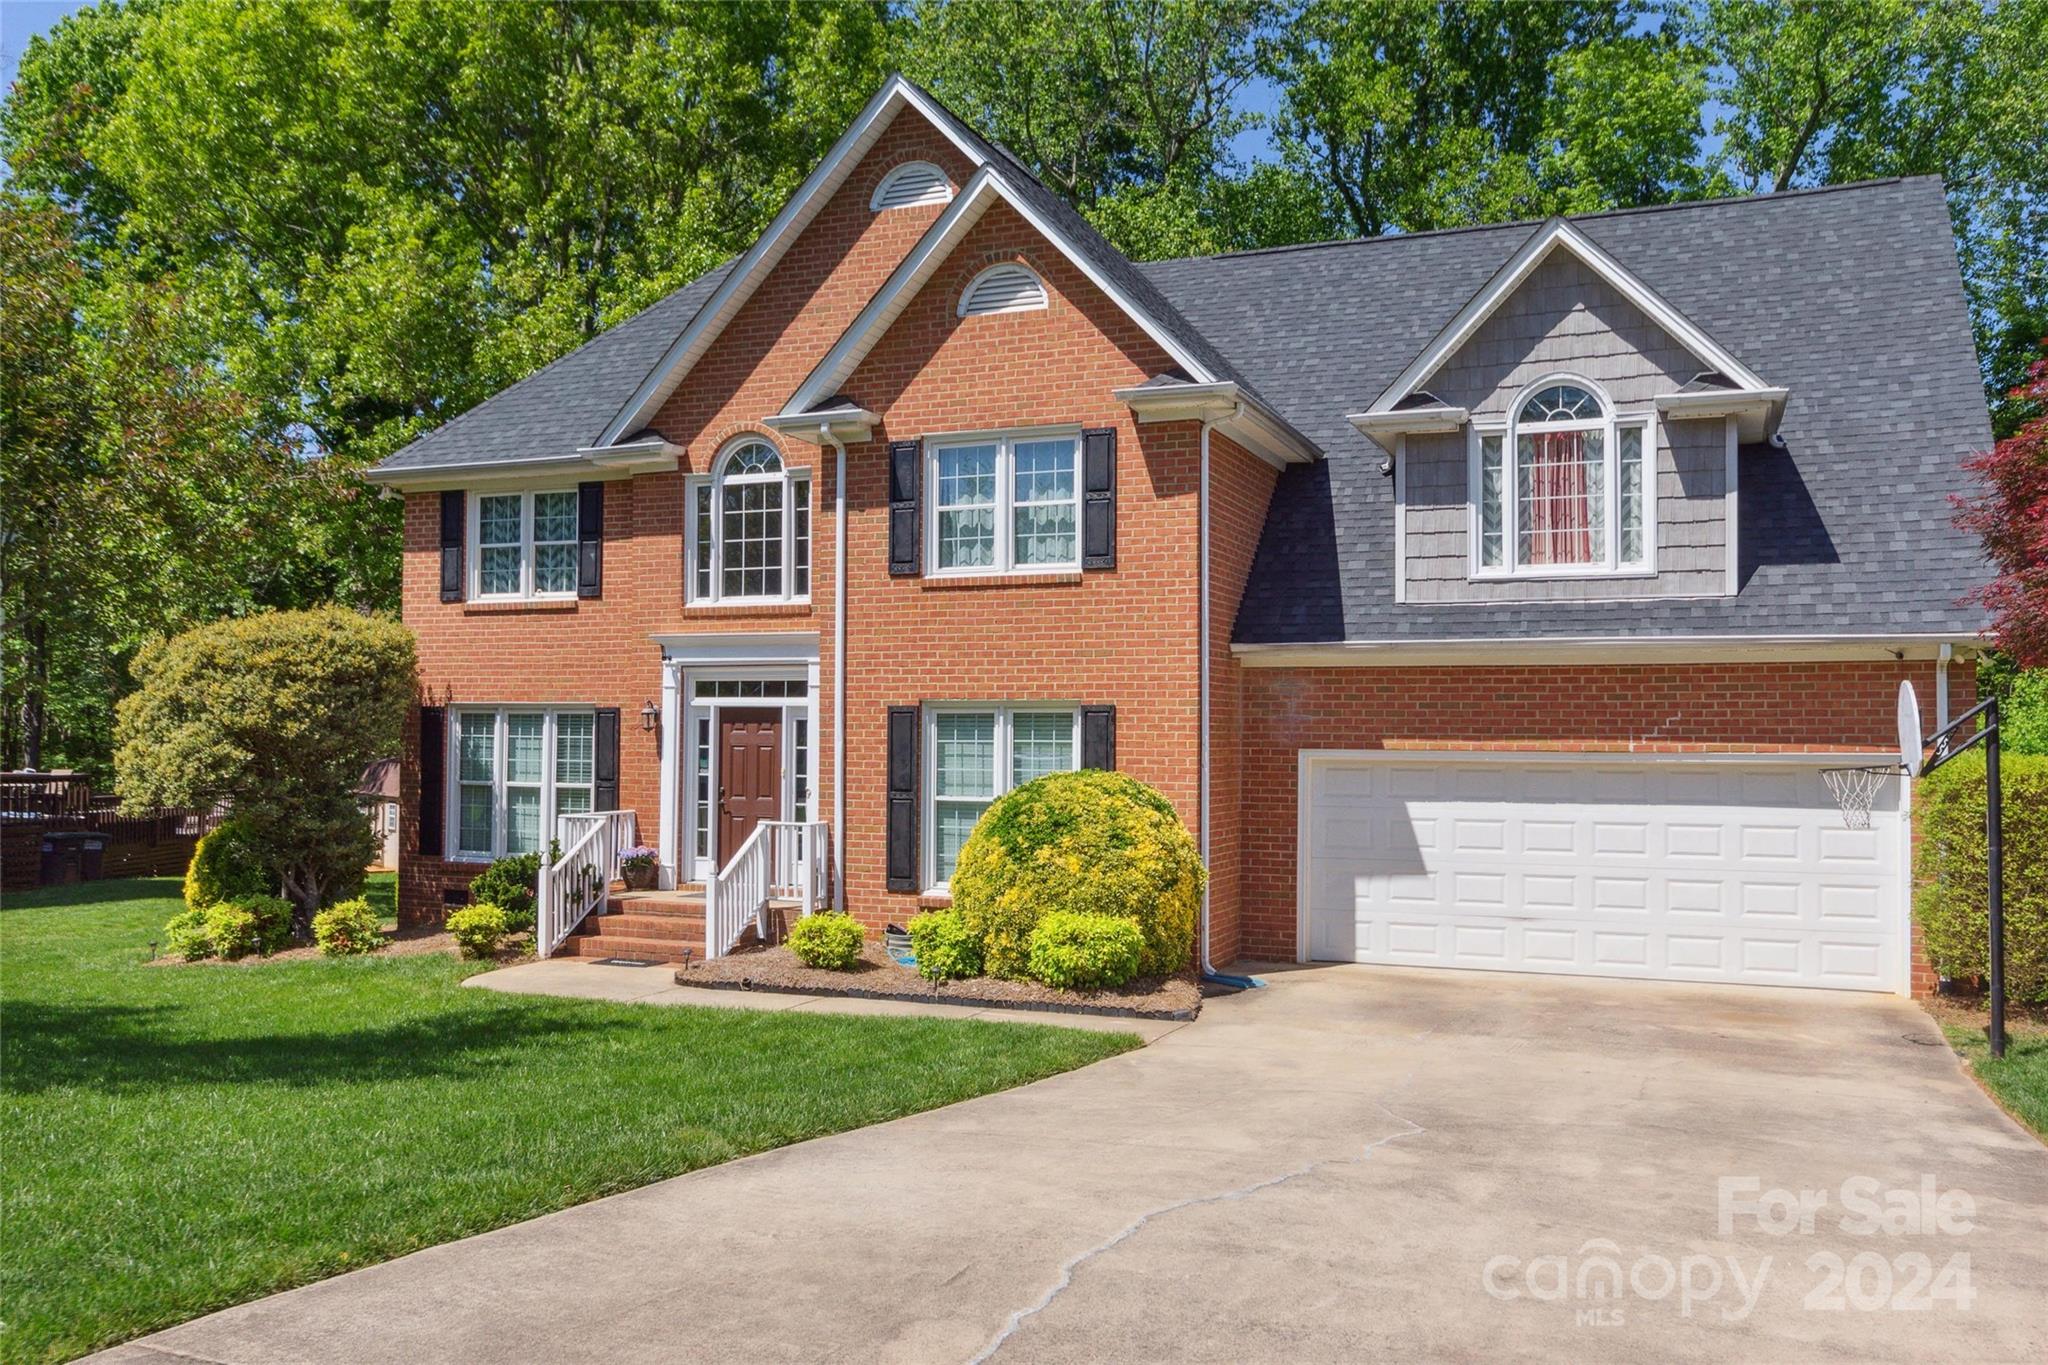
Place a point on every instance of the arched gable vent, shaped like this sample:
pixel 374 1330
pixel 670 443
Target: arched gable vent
pixel 911 184
pixel 1002 289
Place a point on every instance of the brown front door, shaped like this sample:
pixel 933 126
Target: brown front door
pixel 749 774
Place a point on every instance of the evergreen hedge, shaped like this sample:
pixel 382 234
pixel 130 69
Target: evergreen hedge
pixel 1951 870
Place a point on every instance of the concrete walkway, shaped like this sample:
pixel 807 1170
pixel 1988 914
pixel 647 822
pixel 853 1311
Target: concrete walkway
pixel 1355 1163
pixel 656 985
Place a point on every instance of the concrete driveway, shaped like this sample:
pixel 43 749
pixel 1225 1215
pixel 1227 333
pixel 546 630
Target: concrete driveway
pixel 1355 1162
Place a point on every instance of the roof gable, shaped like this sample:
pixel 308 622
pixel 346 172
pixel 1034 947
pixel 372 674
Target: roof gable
pixel 1552 236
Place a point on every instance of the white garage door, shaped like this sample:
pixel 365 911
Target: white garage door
pixel 1688 871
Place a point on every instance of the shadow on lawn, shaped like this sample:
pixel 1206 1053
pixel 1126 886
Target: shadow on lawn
pixel 83 894
pixel 114 1047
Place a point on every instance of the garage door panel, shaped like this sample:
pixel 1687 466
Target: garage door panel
pixel 1686 871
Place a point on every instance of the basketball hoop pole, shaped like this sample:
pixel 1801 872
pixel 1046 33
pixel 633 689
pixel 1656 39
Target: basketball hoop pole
pixel 1947 746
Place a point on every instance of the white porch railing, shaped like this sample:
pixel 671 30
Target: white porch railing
pixel 781 860
pixel 577 883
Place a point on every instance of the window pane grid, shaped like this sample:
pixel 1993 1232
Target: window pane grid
pixel 1006 504
pixel 1492 504
pixel 800 538
pixel 976 756
pixel 1561 498
pixel 1043 489
pixel 515 772
pixel 1631 514
pixel 965 498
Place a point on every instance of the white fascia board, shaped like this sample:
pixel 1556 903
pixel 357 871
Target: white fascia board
pixel 1560 233
pixel 1236 414
pixel 768 249
pixel 1385 429
pixel 1756 411
pixel 895 295
pixel 841 424
pixel 624 464
pixel 1596 649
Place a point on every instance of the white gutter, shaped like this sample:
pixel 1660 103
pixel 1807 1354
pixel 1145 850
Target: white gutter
pixel 838 665
pixel 1941 661
pixel 1594 648
pixel 1202 676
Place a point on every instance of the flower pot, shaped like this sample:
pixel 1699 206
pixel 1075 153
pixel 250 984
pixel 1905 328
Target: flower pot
pixel 641 876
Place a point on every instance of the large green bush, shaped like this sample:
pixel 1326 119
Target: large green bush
pixel 1089 843
pixel 512 884
pixel 185 935
pixel 478 928
pixel 946 949
pixel 224 866
pixel 1085 952
pixel 348 929
pixel 232 930
pixel 831 941
pixel 1952 865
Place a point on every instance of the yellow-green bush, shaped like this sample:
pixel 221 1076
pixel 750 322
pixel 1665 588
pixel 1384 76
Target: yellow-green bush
pixel 1952 869
pixel 1088 843
pixel 831 941
pixel 232 930
pixel 185 936
pixel 1085 952
pixel 478 928
pixel 223 867
pixel 946 949
pixel 348 929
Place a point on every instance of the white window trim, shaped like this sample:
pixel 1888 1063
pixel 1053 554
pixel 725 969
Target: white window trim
pixel 795 483
pixel 1006 443
pixel 500 805
pixel 928 797
pixel 473 555
pixel 705 710
pixel 1508 428
pixel 888 182
pixel 1042 302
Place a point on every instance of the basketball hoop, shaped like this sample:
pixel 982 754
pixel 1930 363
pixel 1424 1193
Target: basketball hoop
pixel 1854 789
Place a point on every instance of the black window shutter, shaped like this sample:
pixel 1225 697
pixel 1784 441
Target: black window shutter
pixel 451 545
pixel 902 819
pixel 590 540
pixel 605 764
pixel 1098 737
pixel 433 770
pixel 1098 498
pixel 906 526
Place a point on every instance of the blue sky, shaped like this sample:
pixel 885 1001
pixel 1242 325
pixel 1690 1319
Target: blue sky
pixel 21 20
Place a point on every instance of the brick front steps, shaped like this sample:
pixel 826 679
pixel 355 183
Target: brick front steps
pixel 653 926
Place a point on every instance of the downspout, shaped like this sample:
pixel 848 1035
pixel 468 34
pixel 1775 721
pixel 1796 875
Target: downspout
pixel 1209 972
pixel 1941 686
pixel 838 667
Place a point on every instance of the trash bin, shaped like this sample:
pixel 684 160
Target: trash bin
pixel 92 856
pixel 52 872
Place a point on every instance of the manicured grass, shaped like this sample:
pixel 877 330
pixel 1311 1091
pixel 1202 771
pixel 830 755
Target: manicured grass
pixel 178 1139
pixel 2020 1077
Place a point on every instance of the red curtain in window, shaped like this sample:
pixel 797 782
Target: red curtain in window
pixel 1560 514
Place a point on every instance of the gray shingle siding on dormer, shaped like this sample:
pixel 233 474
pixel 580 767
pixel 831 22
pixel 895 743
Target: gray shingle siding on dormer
pixel 1850 297
pixel 1566 319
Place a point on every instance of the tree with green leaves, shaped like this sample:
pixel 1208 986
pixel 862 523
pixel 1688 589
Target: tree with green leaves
pixel 276 714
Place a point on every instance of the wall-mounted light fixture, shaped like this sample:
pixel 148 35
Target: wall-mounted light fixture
pixel 650 716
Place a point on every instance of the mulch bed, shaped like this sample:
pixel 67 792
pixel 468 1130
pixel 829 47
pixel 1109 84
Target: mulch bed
pixel 418 941
pixel 876 977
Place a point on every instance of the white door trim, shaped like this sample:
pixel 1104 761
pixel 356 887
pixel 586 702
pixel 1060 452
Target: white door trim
pixel 1308 760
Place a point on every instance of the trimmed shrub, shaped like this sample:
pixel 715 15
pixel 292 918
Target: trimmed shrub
pixel 512 884
pixel 273 916
pixel 1952 869
pixel 1084 952
pixel 478 928
pixel 348 929
pixel 232 930
pixel 224 866
pixel 946 948
pixel 831 941
pixel 1086 843
pixel 185 936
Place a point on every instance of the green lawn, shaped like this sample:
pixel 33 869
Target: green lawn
pixel 178 1139
pixel 2020 1077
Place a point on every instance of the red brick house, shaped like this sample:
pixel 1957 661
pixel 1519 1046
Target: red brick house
pixel 1485 598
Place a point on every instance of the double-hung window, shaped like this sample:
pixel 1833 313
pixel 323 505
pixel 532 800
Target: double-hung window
pixel 1004 504
pixel 516 769
pixel 975 754
pixel 750 528
pixel 1563 487
pixel 525 544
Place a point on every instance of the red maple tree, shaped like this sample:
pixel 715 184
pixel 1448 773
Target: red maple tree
pixel 2011 517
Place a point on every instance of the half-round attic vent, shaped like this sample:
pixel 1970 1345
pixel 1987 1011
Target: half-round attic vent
pixel 911 184
pixel 1002 289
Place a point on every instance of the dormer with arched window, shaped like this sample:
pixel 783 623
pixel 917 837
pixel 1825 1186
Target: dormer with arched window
pixel 750 527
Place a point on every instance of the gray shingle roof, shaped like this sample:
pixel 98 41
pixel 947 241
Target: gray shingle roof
pixel 1849 296
pixel 564 406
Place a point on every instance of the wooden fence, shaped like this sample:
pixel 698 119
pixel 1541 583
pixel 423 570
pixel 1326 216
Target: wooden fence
pixel 54 829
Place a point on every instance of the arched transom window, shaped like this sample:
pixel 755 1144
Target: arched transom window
pixel 750 527
pixel 1562 486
